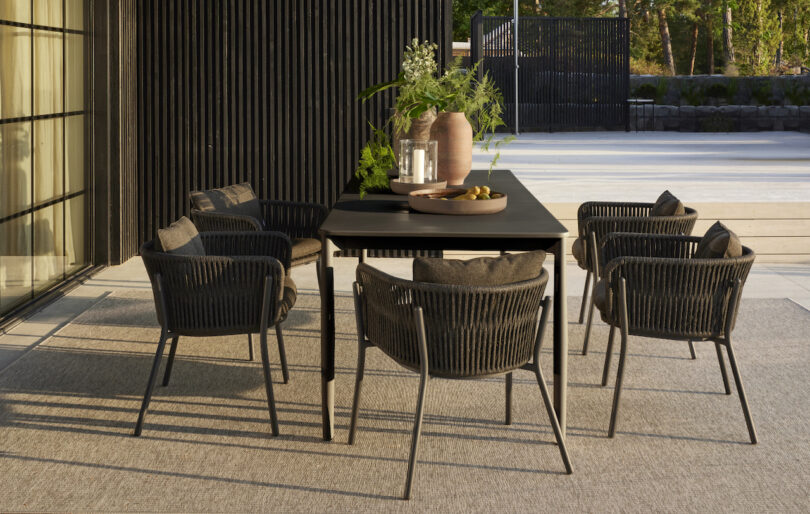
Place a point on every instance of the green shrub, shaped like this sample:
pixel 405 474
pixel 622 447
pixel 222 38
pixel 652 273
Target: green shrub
pixel 731 90
pixel 798 94
pixel 717 90
pixel 661 90
pixel 693 94
pixel 648 91
pixel 763 94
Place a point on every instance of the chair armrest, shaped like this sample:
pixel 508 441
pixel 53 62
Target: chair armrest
pixel 264 244
pixel 296 219
pixel 220 222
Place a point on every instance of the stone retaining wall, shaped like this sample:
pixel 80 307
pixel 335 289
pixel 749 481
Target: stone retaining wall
pixel 726 118
pixel 719 90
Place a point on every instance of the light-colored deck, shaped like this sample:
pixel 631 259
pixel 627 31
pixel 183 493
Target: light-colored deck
pixel 756 183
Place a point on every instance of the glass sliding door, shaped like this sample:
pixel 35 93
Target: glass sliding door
pixel 43 195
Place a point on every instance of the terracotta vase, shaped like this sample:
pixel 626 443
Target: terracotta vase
pixel 454 134
pixel 420 130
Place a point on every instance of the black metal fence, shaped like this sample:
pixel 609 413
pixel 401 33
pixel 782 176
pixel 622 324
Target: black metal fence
pixel 574 73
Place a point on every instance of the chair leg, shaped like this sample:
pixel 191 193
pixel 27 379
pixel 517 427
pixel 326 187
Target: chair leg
pixel 752 432
pixel 250 346
pixel 282 354
pixel 722 367
pixel 588 326
pixel 552 417
pixel 614 413
pixel 172 350
pixel 268 383
pixel 584 297
pixel 151 384
pixel 692 350
pixel 358 383
pixel 508 399
pixel 417 433
pixel 608 355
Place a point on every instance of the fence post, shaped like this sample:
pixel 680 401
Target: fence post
pixel 477 41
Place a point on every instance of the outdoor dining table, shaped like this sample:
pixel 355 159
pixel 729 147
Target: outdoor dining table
pixel 385 222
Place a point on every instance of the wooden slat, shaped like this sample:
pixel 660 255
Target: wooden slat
pixel 263 92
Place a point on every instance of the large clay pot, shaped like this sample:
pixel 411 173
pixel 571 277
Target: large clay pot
pixel 454 134
pixel 420 130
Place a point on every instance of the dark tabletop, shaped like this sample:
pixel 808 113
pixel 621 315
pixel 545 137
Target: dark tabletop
pixel 388 215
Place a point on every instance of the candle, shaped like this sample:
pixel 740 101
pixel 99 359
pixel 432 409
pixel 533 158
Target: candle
pixel 418 166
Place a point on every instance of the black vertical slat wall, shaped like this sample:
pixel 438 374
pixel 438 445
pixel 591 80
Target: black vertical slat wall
pixel 265 92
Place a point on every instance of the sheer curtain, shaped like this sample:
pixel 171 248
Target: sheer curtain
pixel 15 153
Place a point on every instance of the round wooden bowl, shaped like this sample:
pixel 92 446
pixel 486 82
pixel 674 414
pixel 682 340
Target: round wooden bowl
pixel 430 201
pixel 403 188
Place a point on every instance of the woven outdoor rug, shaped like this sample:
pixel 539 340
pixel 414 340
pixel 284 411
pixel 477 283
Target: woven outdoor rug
pixel 67 410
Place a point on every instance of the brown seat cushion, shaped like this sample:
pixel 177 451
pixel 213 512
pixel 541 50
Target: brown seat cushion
pixel 667 205
pixel 304 247
pixel 289 294
pixel 180 238
pixel 718 242
pixel 238 199
pixel 578 251
pixel 483 271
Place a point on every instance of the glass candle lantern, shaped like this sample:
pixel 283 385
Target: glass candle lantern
pixel 417 161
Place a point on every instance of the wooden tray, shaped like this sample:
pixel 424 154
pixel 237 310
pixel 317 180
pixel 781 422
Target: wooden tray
pixel 403 188
pixel 430 200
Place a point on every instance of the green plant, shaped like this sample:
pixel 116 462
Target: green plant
pixel 661 90
pixel 731 90
pixel 376 158
pixel 763 94
pixel 648 91
pixel 798 94
pixel 456 90
pixel 717 90
pixel 693 94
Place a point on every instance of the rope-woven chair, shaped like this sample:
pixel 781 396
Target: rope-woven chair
pixel 451 331
pixel 299 220
pixel 654 287
pixel 595 220
pixel 238 287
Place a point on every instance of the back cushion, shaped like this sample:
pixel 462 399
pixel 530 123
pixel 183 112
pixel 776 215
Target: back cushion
pixel 667 205
pixel 181 238
pixel 483 271
pixel 239 199
pixel 718 242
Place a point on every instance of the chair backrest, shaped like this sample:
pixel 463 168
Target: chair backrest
pixel 212 295
pixel 679 298
pixel 471 331
pixel 603 218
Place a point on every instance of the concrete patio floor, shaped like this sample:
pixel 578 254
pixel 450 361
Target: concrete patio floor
pixel 637 166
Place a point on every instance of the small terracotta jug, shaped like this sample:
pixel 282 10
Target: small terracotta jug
pixel 454 135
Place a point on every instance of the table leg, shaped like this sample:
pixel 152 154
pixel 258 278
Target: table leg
pixel 560 335
pixel 326 281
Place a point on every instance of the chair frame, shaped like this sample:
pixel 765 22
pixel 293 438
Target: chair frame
pixel 425 373
pixel 620 269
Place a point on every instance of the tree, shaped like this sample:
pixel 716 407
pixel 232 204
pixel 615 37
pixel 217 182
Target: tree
pixel 666 41
pixel 728 43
